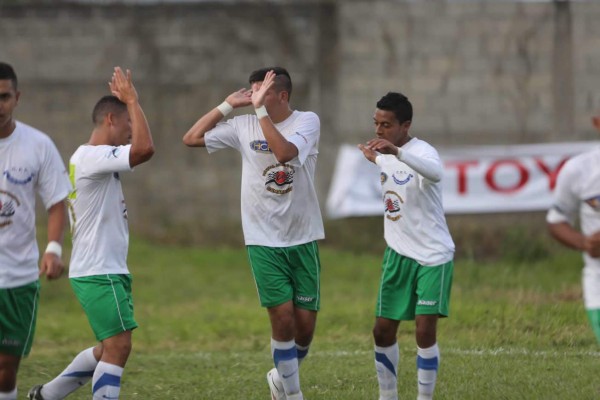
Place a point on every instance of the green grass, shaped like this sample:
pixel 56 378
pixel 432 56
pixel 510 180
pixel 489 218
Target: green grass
pixel 516 331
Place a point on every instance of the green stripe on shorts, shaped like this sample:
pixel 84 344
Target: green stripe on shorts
pixel 107 302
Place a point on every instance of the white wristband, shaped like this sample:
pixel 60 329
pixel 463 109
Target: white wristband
pixel 261 112
pixel 54 247
pixel 225 108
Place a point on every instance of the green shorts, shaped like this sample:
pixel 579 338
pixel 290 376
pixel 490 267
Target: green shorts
pixel 107 302
pixel 408 288
pixel 287 273
pixel 18 314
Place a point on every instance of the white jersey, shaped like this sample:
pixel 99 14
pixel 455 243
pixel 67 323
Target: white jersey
pixel 577 194
pixel 29 163
pixel 98 211
pixel 414 223
pixel 279 203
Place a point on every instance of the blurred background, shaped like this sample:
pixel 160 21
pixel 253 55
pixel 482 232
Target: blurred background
pixel 478 72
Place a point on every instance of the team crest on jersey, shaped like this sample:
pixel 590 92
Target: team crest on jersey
pixel 403 177
pixel 260 146
pixel 391 203
pixel 8 207
pixel 383 177
pixel 18 175
pixel 279 178
pixel 594 202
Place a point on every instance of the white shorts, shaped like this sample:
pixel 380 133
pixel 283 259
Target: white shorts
pixel 591 288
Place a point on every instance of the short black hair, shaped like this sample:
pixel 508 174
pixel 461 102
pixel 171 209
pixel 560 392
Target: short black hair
pixel 8 73
pixel 398 104
pixel 283 81
pixel 107 104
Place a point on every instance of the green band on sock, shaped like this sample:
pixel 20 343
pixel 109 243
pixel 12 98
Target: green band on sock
pixel 594 317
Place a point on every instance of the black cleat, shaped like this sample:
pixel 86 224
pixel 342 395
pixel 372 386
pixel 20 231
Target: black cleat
pixel 35 393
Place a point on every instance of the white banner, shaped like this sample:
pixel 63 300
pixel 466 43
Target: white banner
pixel 477 179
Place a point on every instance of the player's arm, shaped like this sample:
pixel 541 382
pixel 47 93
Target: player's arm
pixel 142 146
pixel 51 264
pixel 429 168
pixel 567 235
pixel 194 137
pixel 283 150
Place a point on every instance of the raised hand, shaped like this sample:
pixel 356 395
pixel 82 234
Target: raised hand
pixel 241 98
pixel 369 153
pixel 122 87
pixel 383 146
pixel 258 96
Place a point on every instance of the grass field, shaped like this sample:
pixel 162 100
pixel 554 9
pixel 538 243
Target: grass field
pixel 516 331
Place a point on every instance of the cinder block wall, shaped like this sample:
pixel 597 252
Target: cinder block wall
pixel 477 73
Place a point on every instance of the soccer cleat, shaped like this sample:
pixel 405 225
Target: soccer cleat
pixel 277 391
pixel 35 393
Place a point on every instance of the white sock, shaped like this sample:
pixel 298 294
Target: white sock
pixel 285 357
pixel 428 361
pixel 106 383
pixel 302 352
pixel 77 374
pixel 9 395
pixel 386 365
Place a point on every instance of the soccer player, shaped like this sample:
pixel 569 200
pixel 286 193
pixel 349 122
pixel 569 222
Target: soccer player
pixel 417 266
pixel 280 212
pixel 577 196
pixel 29 163
pixel 98 270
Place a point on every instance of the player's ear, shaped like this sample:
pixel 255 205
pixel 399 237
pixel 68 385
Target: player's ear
pixel 109 118
pixel 284 96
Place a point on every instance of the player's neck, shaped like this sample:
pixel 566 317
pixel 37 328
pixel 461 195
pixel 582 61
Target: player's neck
pixel 7 129
pixel 280 115
pixel 98 137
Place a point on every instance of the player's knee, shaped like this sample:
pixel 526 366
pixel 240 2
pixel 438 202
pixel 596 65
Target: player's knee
pixel 384 336
pixel 304 335
pixel 425 337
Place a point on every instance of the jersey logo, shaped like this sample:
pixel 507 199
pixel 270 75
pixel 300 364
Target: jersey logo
pixel 383 177
pixel 279 178
pixel 8 205
pixel 594 202
pixel 18 175
pixel 391 203
pixel 302 136
pixel 260 146
pixel 402 181
pixel 113 153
